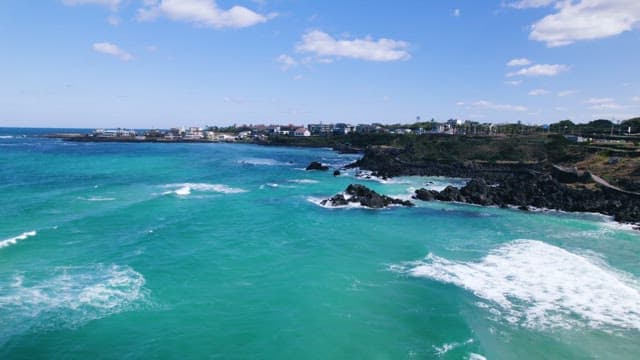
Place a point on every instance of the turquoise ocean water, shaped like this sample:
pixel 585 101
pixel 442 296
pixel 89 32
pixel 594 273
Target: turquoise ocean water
pixel 222 251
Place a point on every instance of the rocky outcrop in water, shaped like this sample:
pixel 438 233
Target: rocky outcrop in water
pixel 541 191
pixel 314 165
pixel 360 194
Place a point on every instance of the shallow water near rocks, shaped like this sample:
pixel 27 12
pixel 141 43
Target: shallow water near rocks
pixel 220 250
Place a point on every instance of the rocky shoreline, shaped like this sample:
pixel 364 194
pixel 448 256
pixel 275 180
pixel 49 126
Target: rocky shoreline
pixel 512 185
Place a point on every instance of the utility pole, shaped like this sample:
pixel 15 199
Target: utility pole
pixel 612 121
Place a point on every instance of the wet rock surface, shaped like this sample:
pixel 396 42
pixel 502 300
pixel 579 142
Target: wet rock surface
pixel 314 165
pixel 360 194
pixel 540 191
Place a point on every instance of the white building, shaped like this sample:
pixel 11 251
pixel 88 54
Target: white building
pixel 302 132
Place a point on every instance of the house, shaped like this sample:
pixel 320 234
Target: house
pixel 193 133
pixel 575 138
pixel 342 129
pixel 225 137
pixel 301 132
pixel 365 129
pixel 403 131
pixel 209 135
pixel 320 129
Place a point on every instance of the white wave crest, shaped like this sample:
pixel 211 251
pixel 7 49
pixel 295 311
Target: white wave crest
pixel 186 188
pixel 14 240
pixel 7 136
pixel 368 175
pixel 474 356
pixel 445 348
pixel 350 205
pixel 261 162
pixel 97 198
pixel 70 297
pixel 303 181
pixel 538 285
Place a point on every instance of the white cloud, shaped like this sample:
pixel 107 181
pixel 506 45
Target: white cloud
pixel 234 100
pixel 614 116
pixel 599 100
pixel 519 62
pixel 113 20
pixel 586 20
pixel 538 92
pixel 112 4
pixel 456 12
pixel 460 103
pixel 540 70
pixel 498 107
pixel 112 49
pixel 151 48
pixel 513 82
pixel 635 98
pixel 566 93
pixel 525 4
pixel 286 62
pixel 603 104
pixel 324 45
pixel 298 77
pixel 202 13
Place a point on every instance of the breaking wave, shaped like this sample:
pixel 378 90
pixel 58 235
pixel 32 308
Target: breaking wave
pixel 303 181
pixel 537 285
pixel 14 240
pixel 97 198
pixel 262 162
pixel 186 188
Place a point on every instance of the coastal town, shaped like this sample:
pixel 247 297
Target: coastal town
pixel 596 130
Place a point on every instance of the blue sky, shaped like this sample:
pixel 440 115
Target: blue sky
pixel 162 63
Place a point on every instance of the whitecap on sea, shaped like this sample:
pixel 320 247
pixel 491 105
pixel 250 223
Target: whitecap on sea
pixel 97 198
pixel 538 285
pixel 262 162
pixel 14 240
pixel 185 189
pixel 68 297
pixel 303 181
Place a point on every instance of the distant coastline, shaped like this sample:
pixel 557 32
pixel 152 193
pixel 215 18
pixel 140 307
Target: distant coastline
pixel 527 171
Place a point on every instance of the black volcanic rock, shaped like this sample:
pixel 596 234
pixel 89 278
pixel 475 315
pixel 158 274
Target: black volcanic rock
pixel 425 195
pixel 314 165
pixel 526 190
pixel 336 200
pixel 364 196
pixel 336 173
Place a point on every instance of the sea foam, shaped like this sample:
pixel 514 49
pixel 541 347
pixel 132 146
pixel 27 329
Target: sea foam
pixel 185 189
pixel 445 348
pixel 69 297
pixel 537 285
pixel 97 198
pixel 262 162
pixel 350 205
pixel 303 181
pixel 14 240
